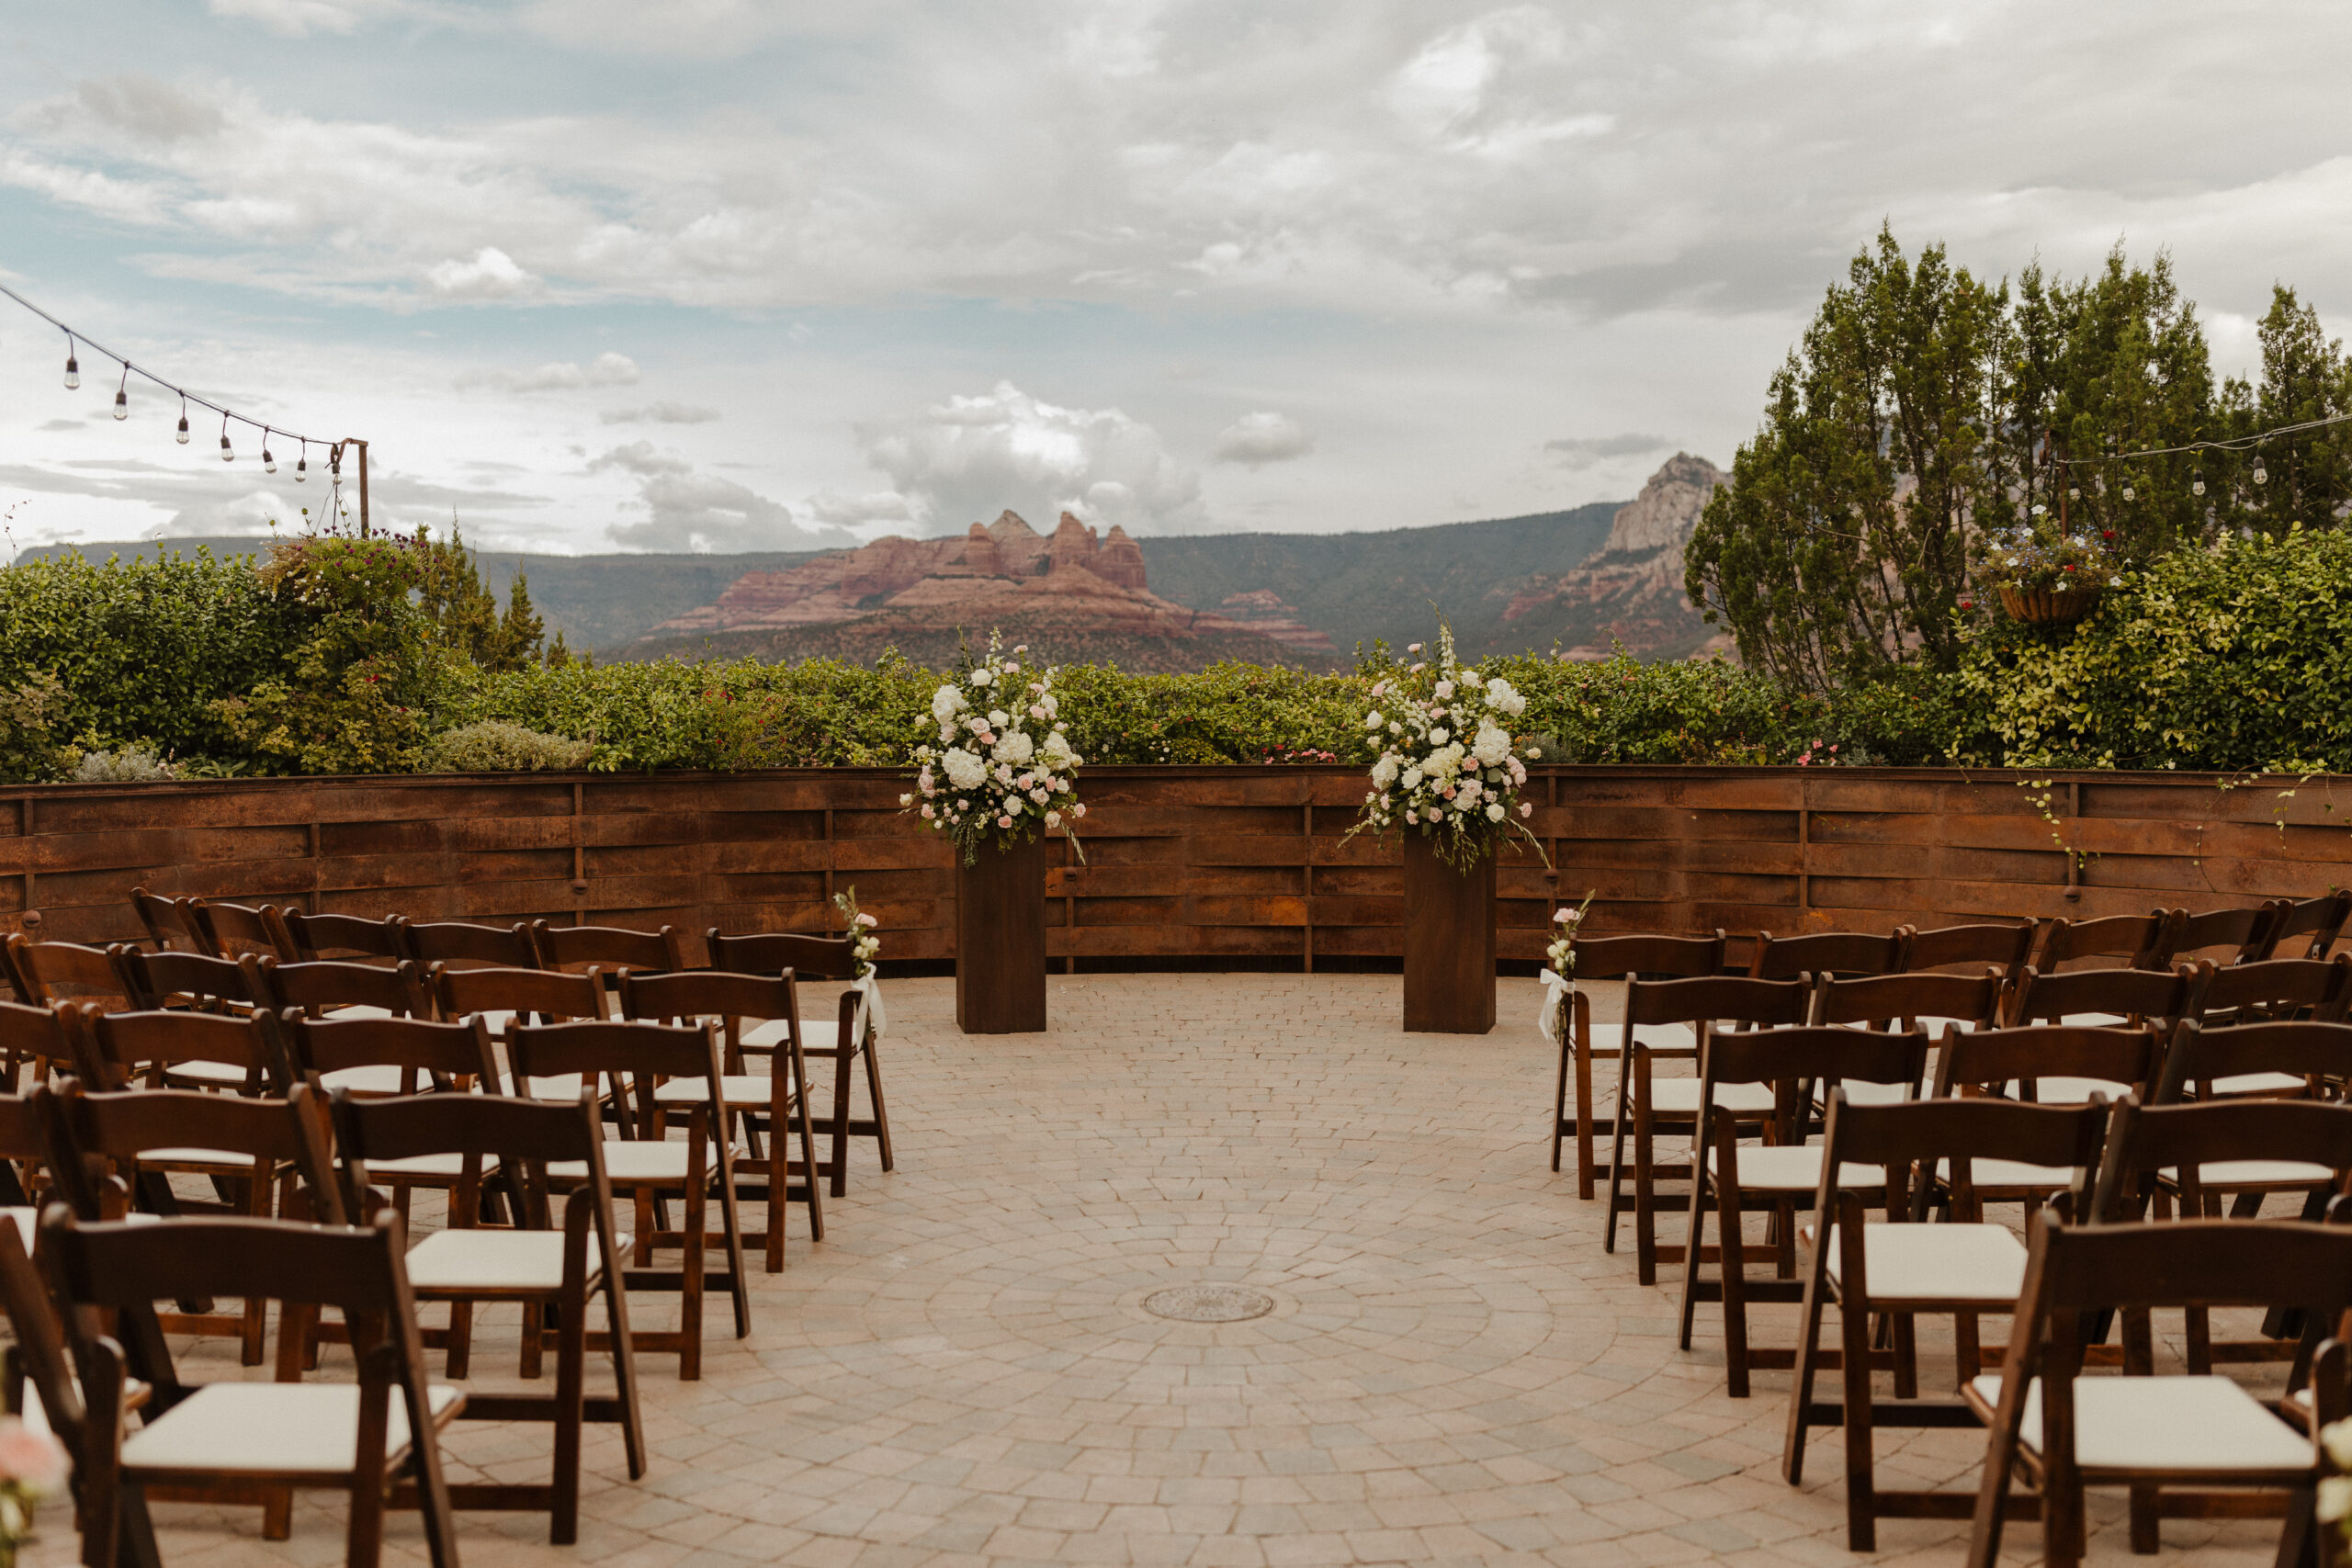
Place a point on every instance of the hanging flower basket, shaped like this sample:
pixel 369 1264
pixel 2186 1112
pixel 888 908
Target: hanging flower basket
pixel 2049 607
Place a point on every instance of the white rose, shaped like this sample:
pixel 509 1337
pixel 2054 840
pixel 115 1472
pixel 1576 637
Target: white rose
pixel 2337 1436
pixel 999 719
pixel 2334 1503
pixel 1015 747
pixel 1470 790
pixel 1438 736
pixel 1413 777
pixel 964 770
pixel 944 702
pixel 1496 813
pixel 1053 819
pixel 1492 747
pixel 1384 772
pixel 981 677
pixel 1373 719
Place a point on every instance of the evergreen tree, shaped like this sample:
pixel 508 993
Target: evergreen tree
pixel 2305 377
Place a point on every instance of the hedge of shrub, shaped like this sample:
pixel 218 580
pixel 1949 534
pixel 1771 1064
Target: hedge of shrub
pixel 335 655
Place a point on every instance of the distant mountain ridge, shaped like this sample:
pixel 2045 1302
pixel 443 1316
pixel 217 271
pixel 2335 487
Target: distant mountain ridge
pixel 1581 581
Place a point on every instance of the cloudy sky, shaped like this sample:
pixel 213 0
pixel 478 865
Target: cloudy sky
pixel 739 273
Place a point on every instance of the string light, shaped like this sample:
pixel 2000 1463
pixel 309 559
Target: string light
pixel 73 342
pixel 2261 474
pixel 268 463
pixel 302 461
pixel 2197 484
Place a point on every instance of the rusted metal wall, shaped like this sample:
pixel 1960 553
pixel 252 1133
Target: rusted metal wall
pixel 1185 863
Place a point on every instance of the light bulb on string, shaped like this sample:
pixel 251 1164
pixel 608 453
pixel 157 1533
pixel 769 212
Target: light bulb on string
pixel 2197 484
pixel 268 463
pixel 72 369
pixel 122 395
pixel 183 430
pixel 227 453
pixel 303 464
pixel 2261 474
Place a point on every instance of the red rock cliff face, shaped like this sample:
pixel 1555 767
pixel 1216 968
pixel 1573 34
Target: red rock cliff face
pixel 994 568
pixel 1630 591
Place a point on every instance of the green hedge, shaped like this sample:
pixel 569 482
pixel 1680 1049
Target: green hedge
pixel 329 658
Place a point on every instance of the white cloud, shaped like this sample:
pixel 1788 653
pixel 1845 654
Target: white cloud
pixel 295 18
pixel 1584 451
pixel 969 457
pixel 687 509
pixel 1260 439
pixel 490 275
pixel 606 369
pixel 659 414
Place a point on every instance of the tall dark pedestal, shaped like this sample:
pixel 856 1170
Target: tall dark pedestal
pixel 1449 943
pixel 1000 940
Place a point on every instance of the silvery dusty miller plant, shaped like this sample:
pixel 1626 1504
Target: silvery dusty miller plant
pixel 1008 765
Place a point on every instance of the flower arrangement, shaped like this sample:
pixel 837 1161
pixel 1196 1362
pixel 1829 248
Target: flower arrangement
pixel 2041 556
pixel 859 926
pixel 1561 956
pixel 1447 766
pixel 32 1466
pixel 1003 767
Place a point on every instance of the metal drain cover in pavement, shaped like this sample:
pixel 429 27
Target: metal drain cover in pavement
pixel 1208 1304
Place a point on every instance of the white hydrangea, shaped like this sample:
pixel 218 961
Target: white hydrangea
pixel 946 703
pixel 1014 747
pixel 1384 772
pixel 1503 699
pixel 965 770
pixel 1491 747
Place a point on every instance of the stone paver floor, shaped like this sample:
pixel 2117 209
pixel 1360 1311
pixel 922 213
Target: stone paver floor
pixel 1453 1370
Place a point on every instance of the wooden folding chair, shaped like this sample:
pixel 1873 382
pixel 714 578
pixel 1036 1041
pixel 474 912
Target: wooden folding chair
pixel 1901 1268
pixel 1613 958
pixel 2101 998
pixel 1776 1177
pixel 533 1262
pixel 1845 954
pixel 364 1439
pixel 612 949
pixel 1660 1104
pixel 457 944
pixel 2280 989
pixel 2312 1058
pixel 2140 941
pixel 2308 929
pixel 1910 1000
pixel 341 989
pixel 2008 944
pixel 641 1055
pixel 775 1103
pixel 231 931
pixel 166 921
pixel 2155 1435
pixel 2225 937
pixel 346 937
pixel 38 1358
pixel 271 1153
pixel 47 973
pixel 45 1037
pixel 2243 1149
pixel 847 1042
pixel 24 1154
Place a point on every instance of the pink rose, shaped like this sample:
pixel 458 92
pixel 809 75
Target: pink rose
pixel 33 1459
pixel 869 922
pixel 1004 821
pixel 927 811
pixel 1436 815
pixel 1053 819
pixel 1078 808
pixel 1527 808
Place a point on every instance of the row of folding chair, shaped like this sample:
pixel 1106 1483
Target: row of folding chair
pixel 2142 943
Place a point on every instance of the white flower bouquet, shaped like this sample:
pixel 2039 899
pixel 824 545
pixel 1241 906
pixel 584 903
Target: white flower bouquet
pixel 1447 766
pixel 859 926
pixel 1004 768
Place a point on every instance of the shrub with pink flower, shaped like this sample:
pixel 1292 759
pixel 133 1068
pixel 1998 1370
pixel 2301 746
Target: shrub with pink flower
pixel 1003 767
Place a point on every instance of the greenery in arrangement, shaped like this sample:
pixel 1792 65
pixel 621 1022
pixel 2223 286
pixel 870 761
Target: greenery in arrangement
pixel 1003 768
pixel 1446 768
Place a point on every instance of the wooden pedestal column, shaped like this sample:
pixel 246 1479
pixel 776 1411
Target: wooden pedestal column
pixel 1000 940
pixel 1449 943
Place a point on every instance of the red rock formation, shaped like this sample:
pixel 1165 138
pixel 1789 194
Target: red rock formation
pixel 979 558
pixel 1121 562
pixel 1264 612
pixel 1630 591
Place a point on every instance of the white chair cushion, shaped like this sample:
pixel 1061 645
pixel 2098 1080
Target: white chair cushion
pixel 241 1162
pixel 1679 1097
pixel 26 1220
pixel 374 1080
pixel 746 1091
pixel 425 1167
pixel 287 1428
pixel 2179 1424
pixel 1996 1173
pixel 495 1260
pixel 1938 1263
pixel 358 1009
pixel 2076 1091
pixel 2256 1173
pixel 636 1159
pixel 2096 1021
pixel 1796 1169
pixel 2260 1083
pixel 564 1088
pixel 214 1073
pixel 1881 1093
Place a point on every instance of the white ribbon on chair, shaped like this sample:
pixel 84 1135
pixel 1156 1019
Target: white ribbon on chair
pixel 1554 1018
pixel 870 1019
